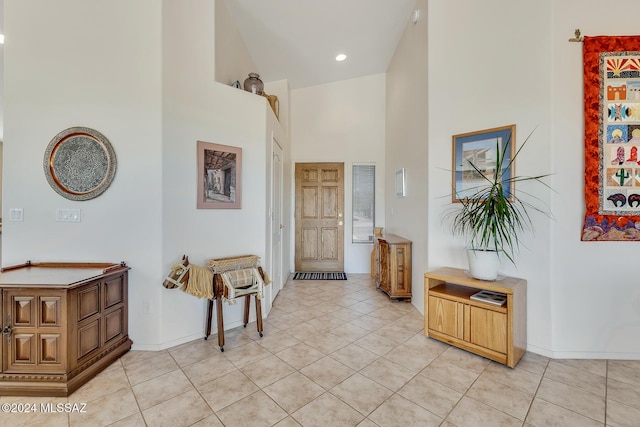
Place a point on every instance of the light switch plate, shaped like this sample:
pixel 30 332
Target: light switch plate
pixel 67 215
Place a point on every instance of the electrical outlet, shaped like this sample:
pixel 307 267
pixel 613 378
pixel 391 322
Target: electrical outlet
pixel 16 214
pixel 146 307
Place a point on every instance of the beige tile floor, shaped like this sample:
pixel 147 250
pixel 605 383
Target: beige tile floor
pixel 342 354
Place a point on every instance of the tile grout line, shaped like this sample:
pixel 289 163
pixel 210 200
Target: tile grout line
pixel 368 298
pixel 194 387
pixel 444 419
pixel 568 385
pixel 132 392
pixel 536 392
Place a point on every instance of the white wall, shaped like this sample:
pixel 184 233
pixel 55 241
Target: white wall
pixel 1 67
pixel 406 147
pixel 276 134
pixel 343 122
pixel 232 59
pixel 1 149
pixel 518 67
pixel 196 108
pixel 66 66
pixel 595 293
pixel 280 88
pixel 149 87
pixel 1 114
pixel 153 98
pixel 491 70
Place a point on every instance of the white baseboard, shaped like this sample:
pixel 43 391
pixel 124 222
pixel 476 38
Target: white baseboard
pixel 188 338
pixel 582 354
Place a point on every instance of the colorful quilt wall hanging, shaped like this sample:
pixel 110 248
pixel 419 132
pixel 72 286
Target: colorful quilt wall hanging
pixel 612 138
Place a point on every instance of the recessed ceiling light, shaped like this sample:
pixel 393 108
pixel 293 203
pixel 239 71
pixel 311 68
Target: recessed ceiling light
pixel 341 57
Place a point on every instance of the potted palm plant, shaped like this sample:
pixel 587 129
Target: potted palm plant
pixel 491 216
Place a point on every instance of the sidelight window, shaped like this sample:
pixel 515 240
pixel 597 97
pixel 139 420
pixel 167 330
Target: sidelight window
pixel 363 206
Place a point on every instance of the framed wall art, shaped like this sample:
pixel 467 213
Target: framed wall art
pixel 481 149
pixel 219 176
pixel 79 163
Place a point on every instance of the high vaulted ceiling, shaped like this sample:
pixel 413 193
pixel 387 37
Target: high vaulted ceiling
pixel 298 40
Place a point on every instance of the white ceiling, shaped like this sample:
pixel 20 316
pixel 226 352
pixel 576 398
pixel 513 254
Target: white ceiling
pixel 298 40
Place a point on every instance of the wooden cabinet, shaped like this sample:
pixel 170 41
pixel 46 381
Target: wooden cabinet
pixel 392 257
pixel 62 324
pixel 36 341
pixel 496 332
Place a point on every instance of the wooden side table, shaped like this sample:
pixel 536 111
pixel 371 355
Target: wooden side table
pixel 450 315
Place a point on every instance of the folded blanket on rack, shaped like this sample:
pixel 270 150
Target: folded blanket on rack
pixel 238 283
pixel 200 283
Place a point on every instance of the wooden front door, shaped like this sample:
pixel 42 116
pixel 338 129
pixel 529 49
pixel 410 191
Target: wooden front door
pixel 319 217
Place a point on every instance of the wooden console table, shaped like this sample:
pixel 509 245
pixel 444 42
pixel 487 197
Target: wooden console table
pixel 450 315
pixel 392 258
pixel 62 323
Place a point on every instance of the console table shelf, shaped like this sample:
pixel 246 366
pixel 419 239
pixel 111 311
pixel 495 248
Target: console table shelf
pixel 450 315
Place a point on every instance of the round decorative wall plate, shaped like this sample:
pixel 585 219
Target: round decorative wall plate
pixel 79 163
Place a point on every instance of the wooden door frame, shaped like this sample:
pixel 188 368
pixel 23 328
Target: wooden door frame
pixel 277 286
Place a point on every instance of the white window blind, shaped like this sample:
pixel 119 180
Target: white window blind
pixel 363 211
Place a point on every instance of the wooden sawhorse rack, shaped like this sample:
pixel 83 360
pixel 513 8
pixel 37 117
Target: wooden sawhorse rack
pixel 218 292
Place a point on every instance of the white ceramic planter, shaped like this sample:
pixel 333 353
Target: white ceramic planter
pixel 483 264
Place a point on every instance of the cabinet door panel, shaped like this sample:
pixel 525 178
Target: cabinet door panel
pixel 3 323
pixel 88 338
pixel 36 343
pixel 384 265
pixel 489 329
pixel 113 292
pixel 24 346
pixel 50 311
pixel 443 316
pixel 88 301
pixel 23 311
pixel 113 325
pixel 402 285
pixel 50 349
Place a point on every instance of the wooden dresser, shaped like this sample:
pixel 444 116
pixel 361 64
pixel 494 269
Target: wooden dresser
pixel 62 323
pixel 392 257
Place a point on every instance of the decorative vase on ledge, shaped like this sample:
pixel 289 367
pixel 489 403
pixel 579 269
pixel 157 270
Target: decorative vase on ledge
pixel 253 84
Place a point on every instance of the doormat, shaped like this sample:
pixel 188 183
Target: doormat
pixel 321 275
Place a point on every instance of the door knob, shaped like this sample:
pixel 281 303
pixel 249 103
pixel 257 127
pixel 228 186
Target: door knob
pixel 7 330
